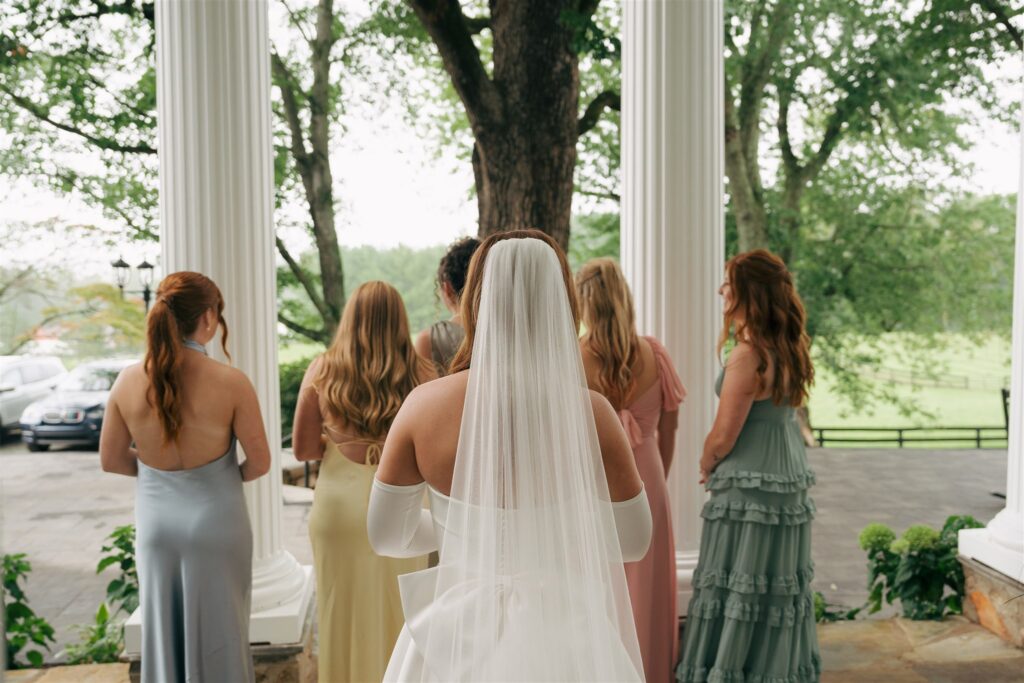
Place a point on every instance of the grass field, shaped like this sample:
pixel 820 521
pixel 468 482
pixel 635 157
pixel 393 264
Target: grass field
pixel 982 367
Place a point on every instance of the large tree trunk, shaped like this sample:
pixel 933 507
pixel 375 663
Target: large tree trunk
pixel 747 204
pixel 525 116
pixel 527 155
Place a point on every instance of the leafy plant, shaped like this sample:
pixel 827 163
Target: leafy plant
pixel 102 642
pixel 123 591
pixel 825 611
pixel 920 569
pixel 25 630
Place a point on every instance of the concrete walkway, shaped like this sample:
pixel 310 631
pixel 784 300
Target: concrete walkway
pixel 57 507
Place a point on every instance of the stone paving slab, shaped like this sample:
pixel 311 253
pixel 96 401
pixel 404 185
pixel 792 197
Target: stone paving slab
pixel 899 651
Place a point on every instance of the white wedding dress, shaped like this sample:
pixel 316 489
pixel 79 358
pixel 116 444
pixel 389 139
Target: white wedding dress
pixel 530 583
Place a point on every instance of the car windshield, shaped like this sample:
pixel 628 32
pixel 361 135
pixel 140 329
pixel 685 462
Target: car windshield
pixel 89 379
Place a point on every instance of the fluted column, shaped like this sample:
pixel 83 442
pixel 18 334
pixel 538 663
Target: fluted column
pixel 1000 545
pixel 673 218
pixel 216 217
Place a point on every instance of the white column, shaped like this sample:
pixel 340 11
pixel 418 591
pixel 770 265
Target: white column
pixel 216 217
pixel 673 222
pixel 1000 545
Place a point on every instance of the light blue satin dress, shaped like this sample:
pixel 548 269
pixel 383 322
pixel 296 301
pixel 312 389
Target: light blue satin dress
pixel 194 552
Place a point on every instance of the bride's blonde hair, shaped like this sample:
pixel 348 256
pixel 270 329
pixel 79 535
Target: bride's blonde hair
pixel 606 309
pixel 370 366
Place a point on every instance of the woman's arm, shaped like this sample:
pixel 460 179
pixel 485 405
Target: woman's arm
pixel 398 458
pixel 739 388
pixel 116 452
pixel 624 481
pixel 667 437
pixel 308 426
pixel 422 345
pixel 247 426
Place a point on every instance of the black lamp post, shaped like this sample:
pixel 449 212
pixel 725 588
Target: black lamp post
pixel 122 273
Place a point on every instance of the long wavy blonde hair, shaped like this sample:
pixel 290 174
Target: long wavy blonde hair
pixel 606 309
pixel 370 366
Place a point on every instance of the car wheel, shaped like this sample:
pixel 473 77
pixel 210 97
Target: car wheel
pixel 38 447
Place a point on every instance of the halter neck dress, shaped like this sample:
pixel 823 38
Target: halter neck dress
pixel 194 549
pixel 359 608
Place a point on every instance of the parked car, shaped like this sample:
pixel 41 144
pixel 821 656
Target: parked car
pixel 24 380
pixel 73 413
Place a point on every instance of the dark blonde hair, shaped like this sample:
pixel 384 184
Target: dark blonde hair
pixel 370 366
pixel 606 307
pixel 470 302
pixel 773 323
pixel 181 300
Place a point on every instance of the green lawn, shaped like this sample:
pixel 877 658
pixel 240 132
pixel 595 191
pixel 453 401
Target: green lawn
pixel 984 366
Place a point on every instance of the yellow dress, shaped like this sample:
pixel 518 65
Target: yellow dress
pixel 359 610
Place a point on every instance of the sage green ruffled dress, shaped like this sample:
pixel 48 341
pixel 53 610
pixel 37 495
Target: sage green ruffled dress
pixel 751 618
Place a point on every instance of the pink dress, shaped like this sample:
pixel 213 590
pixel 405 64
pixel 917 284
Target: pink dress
pixel 652 580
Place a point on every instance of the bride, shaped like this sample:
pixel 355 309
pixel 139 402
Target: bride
pixel 535 500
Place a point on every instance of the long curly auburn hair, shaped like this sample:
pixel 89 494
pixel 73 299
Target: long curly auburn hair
pixel 606 307
pixel 767 313
pixel 371 365
pixel 181 300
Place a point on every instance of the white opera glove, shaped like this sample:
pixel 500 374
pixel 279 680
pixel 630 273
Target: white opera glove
pixel 634 525
pixel 396 522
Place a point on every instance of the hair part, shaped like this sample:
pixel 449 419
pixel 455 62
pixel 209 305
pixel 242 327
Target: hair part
pixel 182 299
pixel 608 314
pixel 371 365
pixel 470 301
pixel 767 313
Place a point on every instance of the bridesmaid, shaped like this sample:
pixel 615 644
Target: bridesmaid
pixel 752 612
pixel 637 376
pixel 441 340
pixel 173 422
pixel 349 396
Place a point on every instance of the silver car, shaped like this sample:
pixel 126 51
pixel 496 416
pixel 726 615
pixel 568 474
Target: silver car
pixel 25 380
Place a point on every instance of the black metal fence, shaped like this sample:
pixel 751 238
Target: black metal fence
pixel 981 437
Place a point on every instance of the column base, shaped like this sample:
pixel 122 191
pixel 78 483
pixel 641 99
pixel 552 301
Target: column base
pixel 282 663
pixel 999 545
pixel 994 600
pixel 686 563
pixel 280 625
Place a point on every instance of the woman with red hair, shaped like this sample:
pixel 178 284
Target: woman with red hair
pixel 751 617
pixel 174 421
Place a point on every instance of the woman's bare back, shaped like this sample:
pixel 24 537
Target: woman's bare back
pixel 214 397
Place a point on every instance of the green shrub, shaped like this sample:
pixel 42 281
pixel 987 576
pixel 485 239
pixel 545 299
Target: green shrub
pixel 290 380
pixel 825 611
pixel 24 629
pixel 920 569
pixel 103 640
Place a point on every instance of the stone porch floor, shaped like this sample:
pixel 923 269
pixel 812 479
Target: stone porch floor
pixel 869 651
pixel 58 507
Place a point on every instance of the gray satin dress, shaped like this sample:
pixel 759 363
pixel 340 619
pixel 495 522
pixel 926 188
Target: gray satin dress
pixel 194 550
pixel 445 338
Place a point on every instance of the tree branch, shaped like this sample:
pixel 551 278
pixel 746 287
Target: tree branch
pixel 296 23
pixel 315 335
pixel 101 142
pixel 999 11
pixel 303 277
pixel 291 109
pixel 607 99
pixel 448 28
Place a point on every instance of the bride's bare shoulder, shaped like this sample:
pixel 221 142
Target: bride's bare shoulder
pixel 439 394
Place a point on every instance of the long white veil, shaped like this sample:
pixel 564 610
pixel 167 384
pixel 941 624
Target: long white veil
pixel 530 584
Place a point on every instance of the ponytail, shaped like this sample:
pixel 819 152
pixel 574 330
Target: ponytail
pixel 181 300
